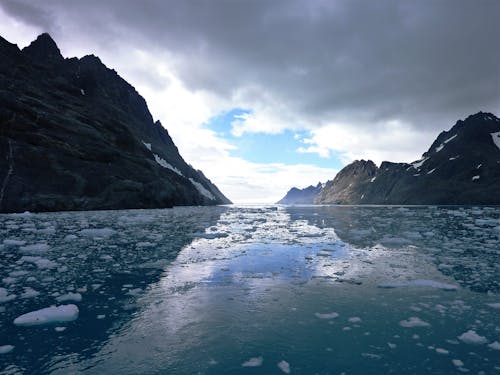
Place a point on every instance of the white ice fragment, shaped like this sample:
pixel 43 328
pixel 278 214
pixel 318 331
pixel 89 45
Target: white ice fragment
pixel 70 297
pixel 101 316
pixel 253 362
pixel 13 242
pixel 495 305
pixel 53 314
pixel 457 362
pixel 35 248
pixel 496 139
pixel 5 296
pixel 70 237
pixel 413 322
pixel 354 319
pixel 331 315
pixel 202 190
pixel 373 179
pixel 40 262
pixel 30 293
pixel 284 366
pixel 97 232
pixel 471 337
pixel 474 178
pixel 495 345
pixel 60 329
pixel 82 91
pixel 4 349
pixel 391 345
pixel 442 351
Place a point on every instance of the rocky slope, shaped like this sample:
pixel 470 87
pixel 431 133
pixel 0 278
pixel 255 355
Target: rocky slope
pixel 462 166
pixel 301 196
pixel 74 135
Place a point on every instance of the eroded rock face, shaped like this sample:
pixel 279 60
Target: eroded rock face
pixel 462 166
pixel 74 135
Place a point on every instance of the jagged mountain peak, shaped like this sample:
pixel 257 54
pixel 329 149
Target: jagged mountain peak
pixel 43 49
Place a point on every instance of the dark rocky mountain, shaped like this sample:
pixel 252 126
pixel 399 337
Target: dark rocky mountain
pixel 74 135
pixel 462 166
pixel 301 196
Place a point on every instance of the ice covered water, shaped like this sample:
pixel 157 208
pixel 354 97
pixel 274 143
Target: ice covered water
pixel 242 290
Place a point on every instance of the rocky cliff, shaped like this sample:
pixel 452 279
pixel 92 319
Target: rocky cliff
pixel 462 166
pixel 74 135
pixel 301 196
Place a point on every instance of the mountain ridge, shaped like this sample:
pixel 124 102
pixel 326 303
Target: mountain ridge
pixel 73 136
pixel 462 166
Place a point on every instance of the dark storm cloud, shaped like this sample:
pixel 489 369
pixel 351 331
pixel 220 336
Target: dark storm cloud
pixel 425 62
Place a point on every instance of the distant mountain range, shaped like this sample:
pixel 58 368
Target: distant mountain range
pixel 462 166
pixel 74 135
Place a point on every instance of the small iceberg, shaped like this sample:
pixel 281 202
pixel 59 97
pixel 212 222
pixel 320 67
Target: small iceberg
pixel 48 315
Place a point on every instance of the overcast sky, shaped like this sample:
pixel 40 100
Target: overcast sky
pixel 265 95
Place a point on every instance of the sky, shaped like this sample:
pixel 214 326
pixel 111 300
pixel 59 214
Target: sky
pixel 265 95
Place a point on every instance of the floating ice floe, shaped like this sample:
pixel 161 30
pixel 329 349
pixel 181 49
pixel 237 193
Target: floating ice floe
pixel 4 349
pixel 419 283
pixel 331 315
pixel 13 242
pixel 413 322
pixel 5 296
pixel 73 297
pixel 471 337
pixel 494 345
pixel 284 366
pixel 40 262
pixel 35 248
pixel 354 319
pixel 495 305
pixel 253 362
pixel 97 232
pixel 48 315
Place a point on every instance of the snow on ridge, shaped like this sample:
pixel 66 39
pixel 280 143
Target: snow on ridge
pixel 431 171
pixel 417 164
pixel 441 146
pixel 496 139
pixel 373 179
pixel 164 164
pixel 148 145
pixel 201 189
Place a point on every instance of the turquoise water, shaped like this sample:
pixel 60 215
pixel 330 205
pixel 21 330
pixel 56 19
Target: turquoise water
pixel 254 290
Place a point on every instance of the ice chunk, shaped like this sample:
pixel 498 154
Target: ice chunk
pixel 284 366
pixel 327 315
pixel 495 305
pixel 253 362
pixel 495 345
pixel 40 262
pixel 354 319
pixel 13 242
pixel 442 351
pixel 4 349
pixel 35 248
pixel 457 362
pixel 29 293
pixel 97 232
pixel 48 315
pixel 59 329
pixel 5 296
pixel 474 178
pixel 413 322
pixel 74 297
pixel 471 337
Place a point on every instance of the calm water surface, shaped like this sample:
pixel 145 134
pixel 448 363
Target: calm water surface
pixel 254 290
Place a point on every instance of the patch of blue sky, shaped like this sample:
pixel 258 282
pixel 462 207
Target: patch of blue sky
pixel 268 148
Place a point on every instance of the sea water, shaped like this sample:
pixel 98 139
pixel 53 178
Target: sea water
pixel 251 290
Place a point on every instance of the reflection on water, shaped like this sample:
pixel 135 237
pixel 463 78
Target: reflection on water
pixel 259 290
